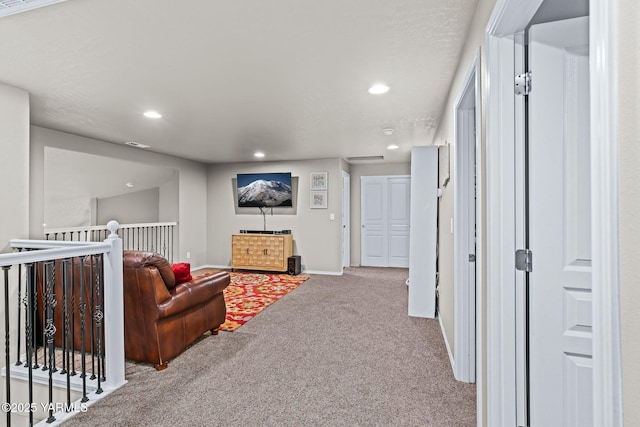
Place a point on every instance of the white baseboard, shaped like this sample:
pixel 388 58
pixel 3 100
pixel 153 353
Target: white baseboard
pixel 324 273
pixel 200 267
pixel 228 267
pixel 446 343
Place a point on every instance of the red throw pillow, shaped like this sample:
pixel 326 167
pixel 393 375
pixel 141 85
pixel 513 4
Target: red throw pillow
pixel 182 271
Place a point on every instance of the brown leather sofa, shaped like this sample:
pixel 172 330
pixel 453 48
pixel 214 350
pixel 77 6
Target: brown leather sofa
pixel 162 318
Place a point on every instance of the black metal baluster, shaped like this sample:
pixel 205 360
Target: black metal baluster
pixel 6 269
pixel 50 329
pixel 82 306
pixel 65 326
pixel 44 317
pixel 73 318
pixel 98 316
pixel 102 353
pixel 93 325
pixel 18 362
pixel 54 303
pixel 65 343
pixel 27 314
pixel 34 316
pixel 29 334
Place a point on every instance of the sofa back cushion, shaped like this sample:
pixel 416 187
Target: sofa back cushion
pixel 140 259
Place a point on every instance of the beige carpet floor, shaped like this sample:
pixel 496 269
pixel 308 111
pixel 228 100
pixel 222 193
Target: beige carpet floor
pixel 337 351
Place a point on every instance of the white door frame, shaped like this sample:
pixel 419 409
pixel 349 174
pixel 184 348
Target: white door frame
pixel 346 219
pixel 465 282
pixel 508 18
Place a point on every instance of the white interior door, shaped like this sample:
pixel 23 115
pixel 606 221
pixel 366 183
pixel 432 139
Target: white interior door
pixel 385 206
pixel 346 219
pixel 560 336
pixel 375 239
pixel 399 206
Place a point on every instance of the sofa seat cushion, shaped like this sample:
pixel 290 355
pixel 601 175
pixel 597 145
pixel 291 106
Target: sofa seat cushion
pixel 201 289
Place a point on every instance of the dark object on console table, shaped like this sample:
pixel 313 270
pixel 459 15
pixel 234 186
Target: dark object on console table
pixel 265 231
pixel 162 319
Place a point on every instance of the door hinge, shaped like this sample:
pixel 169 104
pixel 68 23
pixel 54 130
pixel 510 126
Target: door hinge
pixel 472 257
pixel 523 84
pixel 524 260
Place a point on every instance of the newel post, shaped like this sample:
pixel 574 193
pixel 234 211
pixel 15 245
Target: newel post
pixel 114 310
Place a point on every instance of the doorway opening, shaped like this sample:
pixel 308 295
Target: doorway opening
pixel 466 154
pixel 506 53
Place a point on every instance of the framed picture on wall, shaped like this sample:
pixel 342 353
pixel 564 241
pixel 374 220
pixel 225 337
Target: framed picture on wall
pixel 318 181
pixel 318 199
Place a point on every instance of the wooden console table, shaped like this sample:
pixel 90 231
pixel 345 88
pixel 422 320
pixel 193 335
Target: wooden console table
pixel 268 252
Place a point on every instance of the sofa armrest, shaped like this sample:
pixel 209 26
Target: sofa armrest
pixel 193 293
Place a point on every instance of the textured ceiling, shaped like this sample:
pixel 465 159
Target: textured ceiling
pixel 288 77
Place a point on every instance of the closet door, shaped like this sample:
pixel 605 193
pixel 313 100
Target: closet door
pixel 385 221
pixel 399 189
pixel 375 239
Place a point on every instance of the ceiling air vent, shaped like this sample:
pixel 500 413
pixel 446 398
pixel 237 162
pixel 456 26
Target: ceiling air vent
pixel 136 144
pixel 364 158
pixel 9 7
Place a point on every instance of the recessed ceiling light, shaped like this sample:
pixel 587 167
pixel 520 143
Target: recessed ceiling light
pixel 378 88
pixel 152 114
pixel 129 184
pixel 392 147
pixel 259 154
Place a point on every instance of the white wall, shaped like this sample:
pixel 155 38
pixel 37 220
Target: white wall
pixel 14 145
pixel 192 178
pixel 132 208
pixel 14 193
pixel 445 133
pixel 169 197
pixel 317 239
pixel 75 212
pixel 628 34
pixel 357 172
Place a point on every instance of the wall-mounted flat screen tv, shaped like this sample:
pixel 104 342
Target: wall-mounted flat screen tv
pixel 264 190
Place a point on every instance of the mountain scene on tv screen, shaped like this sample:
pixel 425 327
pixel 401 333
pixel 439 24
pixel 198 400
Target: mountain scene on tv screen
pixel 264 193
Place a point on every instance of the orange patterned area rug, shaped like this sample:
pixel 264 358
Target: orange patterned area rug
pixel 250 293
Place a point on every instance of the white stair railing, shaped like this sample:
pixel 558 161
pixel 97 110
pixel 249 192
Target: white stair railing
pixel 156 237
pixel 33 291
